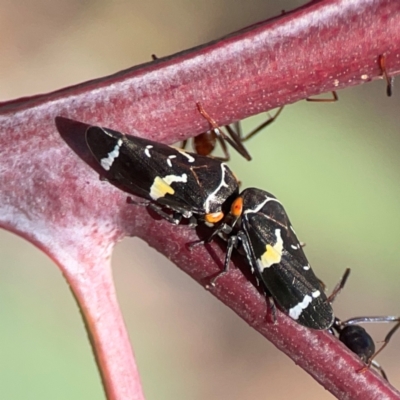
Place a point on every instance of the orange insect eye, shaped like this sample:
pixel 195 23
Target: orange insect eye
pixel 214 217
pixel 237 207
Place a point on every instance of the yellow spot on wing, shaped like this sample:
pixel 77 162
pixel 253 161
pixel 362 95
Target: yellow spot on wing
pixel 160 188
pixel 273 254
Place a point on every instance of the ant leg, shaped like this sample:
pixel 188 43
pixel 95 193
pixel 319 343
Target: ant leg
pixel 184 144
pixel 380 369
pixel 234 141
pixel 389 79
pixel 340 285
pixel 333 99
pixel 385 342
pixel 269 121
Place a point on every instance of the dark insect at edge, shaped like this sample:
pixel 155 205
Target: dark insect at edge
pixel 356 338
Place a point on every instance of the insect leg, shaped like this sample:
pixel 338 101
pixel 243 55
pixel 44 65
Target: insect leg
pixel 269 121
pixel 333 99
pixel 235 141
pixel 174 219
pixel 378 367
pixel 340 285
pixel 184 144
pixel 389 79
pixel 385 342
pixel 232 243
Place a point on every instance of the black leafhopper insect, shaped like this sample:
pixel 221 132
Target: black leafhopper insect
pixel 205 188
pixel 186 183
pixel 260 226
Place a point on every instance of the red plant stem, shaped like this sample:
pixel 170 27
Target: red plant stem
pixel 319 353
pixel 82 250
pixel 107 333
pixel 326 46
pixel 54 200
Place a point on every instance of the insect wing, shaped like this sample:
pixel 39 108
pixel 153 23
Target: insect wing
pixel 117 160
pixel 182 181
pixel 280 263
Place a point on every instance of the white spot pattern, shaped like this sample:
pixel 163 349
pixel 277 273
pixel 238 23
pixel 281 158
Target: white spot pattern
pixel 188 156
pixel 212 195
pixel 146 151
pixel 261 205
pixel 169 160
pixel 175 178
pixel 107 162
pixel 316 294
pixel 296 311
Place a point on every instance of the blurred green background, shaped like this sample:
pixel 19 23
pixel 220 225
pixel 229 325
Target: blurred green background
pixel 334 166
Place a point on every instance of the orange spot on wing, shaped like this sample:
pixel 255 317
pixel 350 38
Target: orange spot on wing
pixel 214 217
pixel 237 207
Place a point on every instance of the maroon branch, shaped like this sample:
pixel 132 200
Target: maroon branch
pixel 54 200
